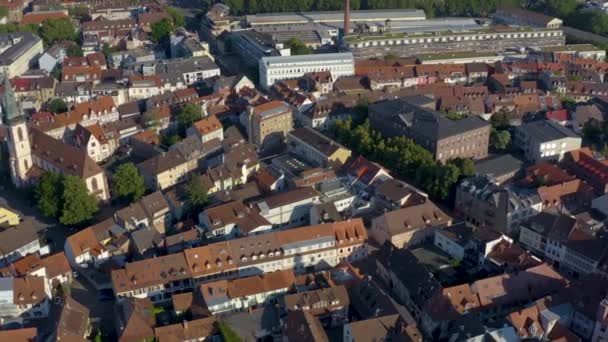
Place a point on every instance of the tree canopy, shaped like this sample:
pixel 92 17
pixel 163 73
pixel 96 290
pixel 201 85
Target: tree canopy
pixel 298 47
pixel 79 205
pixel 127 183
pixel 66 198
pixel 48 193
pixel 500 139
pixel 57 105
pixel 55 30
pixel 176 16
pixel 161 31
pixel 189 114
pixel 197 193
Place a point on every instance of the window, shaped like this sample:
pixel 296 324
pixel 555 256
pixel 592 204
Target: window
pixel 19 133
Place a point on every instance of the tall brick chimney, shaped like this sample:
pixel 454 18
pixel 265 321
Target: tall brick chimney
pixel 346 17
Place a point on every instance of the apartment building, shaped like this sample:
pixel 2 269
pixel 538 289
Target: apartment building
pixel 483 203
pixel 289 209
pixel 240 294
pixel 316 148
pixel 18 241
pixel 190 70
pixel 545 140
pixel 267 124
pixel 567 243
pixel 299 249
pixel 233 219
pixel 94 141
pixel 23 298
pixel 409 226
pixel 278 68
pixel 329 305
pixel 97 244
pixel 207 128
pixel 583 164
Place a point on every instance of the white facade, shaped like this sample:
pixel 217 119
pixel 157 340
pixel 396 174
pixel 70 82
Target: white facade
pixel 200 75
pixel 557 252
pixel 290 214
pixel 273 69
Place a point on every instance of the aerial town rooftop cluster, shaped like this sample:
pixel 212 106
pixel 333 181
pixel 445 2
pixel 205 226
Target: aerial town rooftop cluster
pixel 411 179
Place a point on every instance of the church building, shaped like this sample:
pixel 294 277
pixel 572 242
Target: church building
pixel 32 152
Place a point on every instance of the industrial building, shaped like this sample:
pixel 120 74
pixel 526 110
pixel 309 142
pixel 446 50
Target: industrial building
pixel 273 69
pixel 446 35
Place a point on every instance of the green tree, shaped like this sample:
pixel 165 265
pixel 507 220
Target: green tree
pixel 228 334
pixel 56 72
pixel 197 193
pixel 79 205
pixel 176 16
pixel 57 105
pixel 54 30
pixel 48 194
pixel 500 139
pixel 500 120
pixel 108 50
pixel 465 165
pixel 169 139
pixel 3 12
pixel 161 31
pixel 127 183
pixel 298 47
pixel 74 51
pixel 190 113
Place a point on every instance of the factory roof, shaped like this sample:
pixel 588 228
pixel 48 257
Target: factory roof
pixel 335 16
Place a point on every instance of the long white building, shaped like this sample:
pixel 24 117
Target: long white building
pixel 273 69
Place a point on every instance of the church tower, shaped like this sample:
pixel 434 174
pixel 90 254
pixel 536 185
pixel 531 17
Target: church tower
pixel 19 148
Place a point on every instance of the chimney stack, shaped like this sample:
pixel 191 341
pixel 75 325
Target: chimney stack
pixel 346 17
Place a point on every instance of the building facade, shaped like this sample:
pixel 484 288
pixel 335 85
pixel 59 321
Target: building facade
pixel 273 69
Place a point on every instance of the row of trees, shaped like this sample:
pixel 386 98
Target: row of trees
pixel 401 155
pixel 432 8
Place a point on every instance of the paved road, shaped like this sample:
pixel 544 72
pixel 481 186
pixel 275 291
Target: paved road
pixel 55 233
pixel 83 292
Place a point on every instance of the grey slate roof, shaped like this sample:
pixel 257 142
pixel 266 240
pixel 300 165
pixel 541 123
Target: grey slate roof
pixel 15 44
pixel 546 130
pixel 435 126
pixel 498 165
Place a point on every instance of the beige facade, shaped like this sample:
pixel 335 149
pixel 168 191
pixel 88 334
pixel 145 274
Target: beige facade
pixel 269 123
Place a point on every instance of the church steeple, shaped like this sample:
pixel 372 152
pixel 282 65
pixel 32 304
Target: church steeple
pixel 10 107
